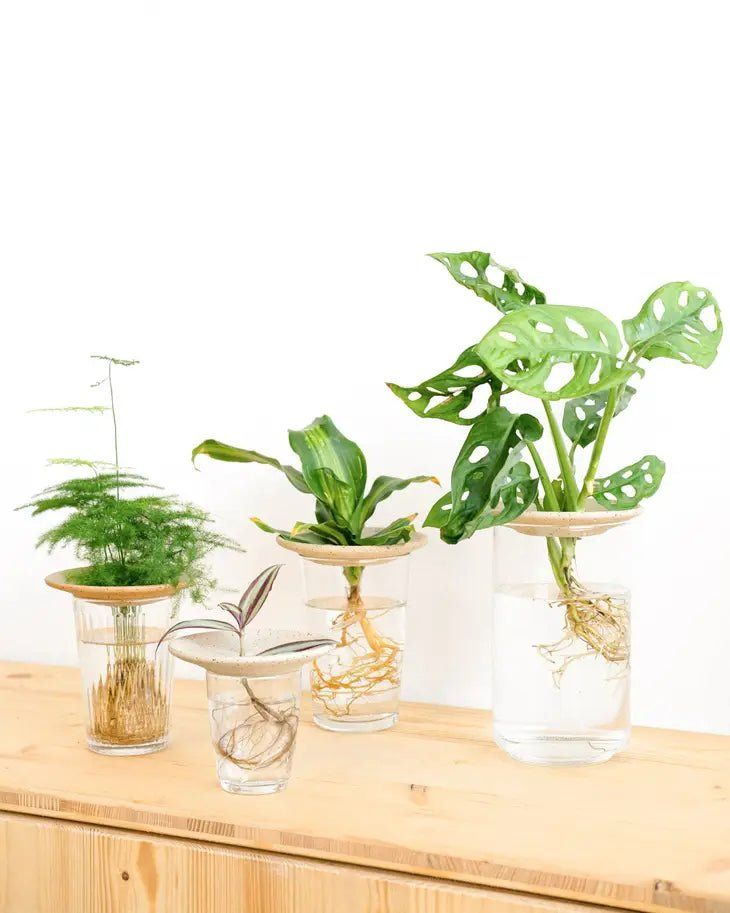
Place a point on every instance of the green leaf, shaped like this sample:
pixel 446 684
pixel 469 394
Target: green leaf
pixel 398 531
pixel 334 467
pixel 256 594
pixel 482 467
pixel 98 410
pixel 302 532
pixel 680 321
pixel 207 624
pixel 448 394
pixel 582 416
pixel 298 646
pixel 579 344
pixel 228 454
pixel 499 285
pixel 383 487
pixel 327 532
pixel 439 514
pixel 629 486
pixel 512 497
pixel 122 362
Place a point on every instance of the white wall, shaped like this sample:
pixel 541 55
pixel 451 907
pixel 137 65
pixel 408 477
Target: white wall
pixel 241 195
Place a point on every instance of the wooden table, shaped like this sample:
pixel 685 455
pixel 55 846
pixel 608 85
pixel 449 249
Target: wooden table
pixel 429 816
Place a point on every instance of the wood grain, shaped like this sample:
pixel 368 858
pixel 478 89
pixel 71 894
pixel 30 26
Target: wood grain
pixel 434 797
pixel 87 869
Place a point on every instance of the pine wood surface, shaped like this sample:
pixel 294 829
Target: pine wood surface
pixel 434 797
pixel 89 869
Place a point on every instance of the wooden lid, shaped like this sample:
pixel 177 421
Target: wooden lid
pixel 353 555
pixel 123 594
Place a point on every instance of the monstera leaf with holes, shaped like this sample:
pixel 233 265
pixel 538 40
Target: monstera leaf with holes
pixel 680 321
pixel 527 347
pixel 484 474
pixel 334 471
pixel 627 488
pixel 499 285
pixel 449 394
pixel 582 416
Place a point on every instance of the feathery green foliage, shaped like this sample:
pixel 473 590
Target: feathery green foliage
pixel 127 533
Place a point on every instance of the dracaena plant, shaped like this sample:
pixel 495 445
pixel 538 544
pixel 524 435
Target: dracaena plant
pixel 554 354
pixel 334 471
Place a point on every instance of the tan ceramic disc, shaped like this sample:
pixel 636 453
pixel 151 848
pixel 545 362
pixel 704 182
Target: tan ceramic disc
pixel 353 555
pixel 122 594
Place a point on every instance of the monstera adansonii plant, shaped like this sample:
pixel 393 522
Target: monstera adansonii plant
pixel 554 353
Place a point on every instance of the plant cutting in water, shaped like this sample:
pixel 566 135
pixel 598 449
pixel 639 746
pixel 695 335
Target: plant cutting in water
pixel 555 353
pixel 334 471
pixel 127 536
pixel 265 736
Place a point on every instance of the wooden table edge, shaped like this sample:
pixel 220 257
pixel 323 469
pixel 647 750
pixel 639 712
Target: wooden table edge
pixel 434 866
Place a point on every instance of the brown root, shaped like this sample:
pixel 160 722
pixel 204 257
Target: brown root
pixel 128 706
pixel 373 665
pixel 265 738
pixel 599 622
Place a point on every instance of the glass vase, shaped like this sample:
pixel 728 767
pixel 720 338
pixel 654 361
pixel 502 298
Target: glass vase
pixel 356 687
pixel 253 725
pixel 561 647
pixel 126 681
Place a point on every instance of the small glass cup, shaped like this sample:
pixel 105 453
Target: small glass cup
pixel 253 701
pixel 253 725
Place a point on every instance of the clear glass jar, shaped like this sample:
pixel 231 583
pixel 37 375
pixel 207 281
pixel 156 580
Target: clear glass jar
pixel 126 681
pixel 253 725
pixel 356 687
pixel 560 651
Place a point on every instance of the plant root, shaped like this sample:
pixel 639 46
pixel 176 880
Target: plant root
pixel 597 621
pixel 128 706
pixel 265 737
pixel 370 662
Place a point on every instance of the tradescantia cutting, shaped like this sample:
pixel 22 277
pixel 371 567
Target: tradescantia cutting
pixel 334 471
pixel 554 353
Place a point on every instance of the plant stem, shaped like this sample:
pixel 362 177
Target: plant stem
pixel 550 499
pixel 554 551
pixel 590 477
pixel 566 471
pixel 114 422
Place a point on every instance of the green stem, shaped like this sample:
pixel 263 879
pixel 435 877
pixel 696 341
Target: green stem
pixel 550 498
pixel 554 551
pixel 566 471
pixel 590 477
pixel 114 421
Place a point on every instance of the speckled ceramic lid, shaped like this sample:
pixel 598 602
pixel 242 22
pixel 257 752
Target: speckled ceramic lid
pixel 353 555
pixel 218 652
pixel 572 524
pixel 112 594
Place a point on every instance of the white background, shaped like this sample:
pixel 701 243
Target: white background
pixel 241 195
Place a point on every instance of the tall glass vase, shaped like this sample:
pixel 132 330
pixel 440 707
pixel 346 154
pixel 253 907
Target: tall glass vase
pixel 357 595
pixel 560 641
